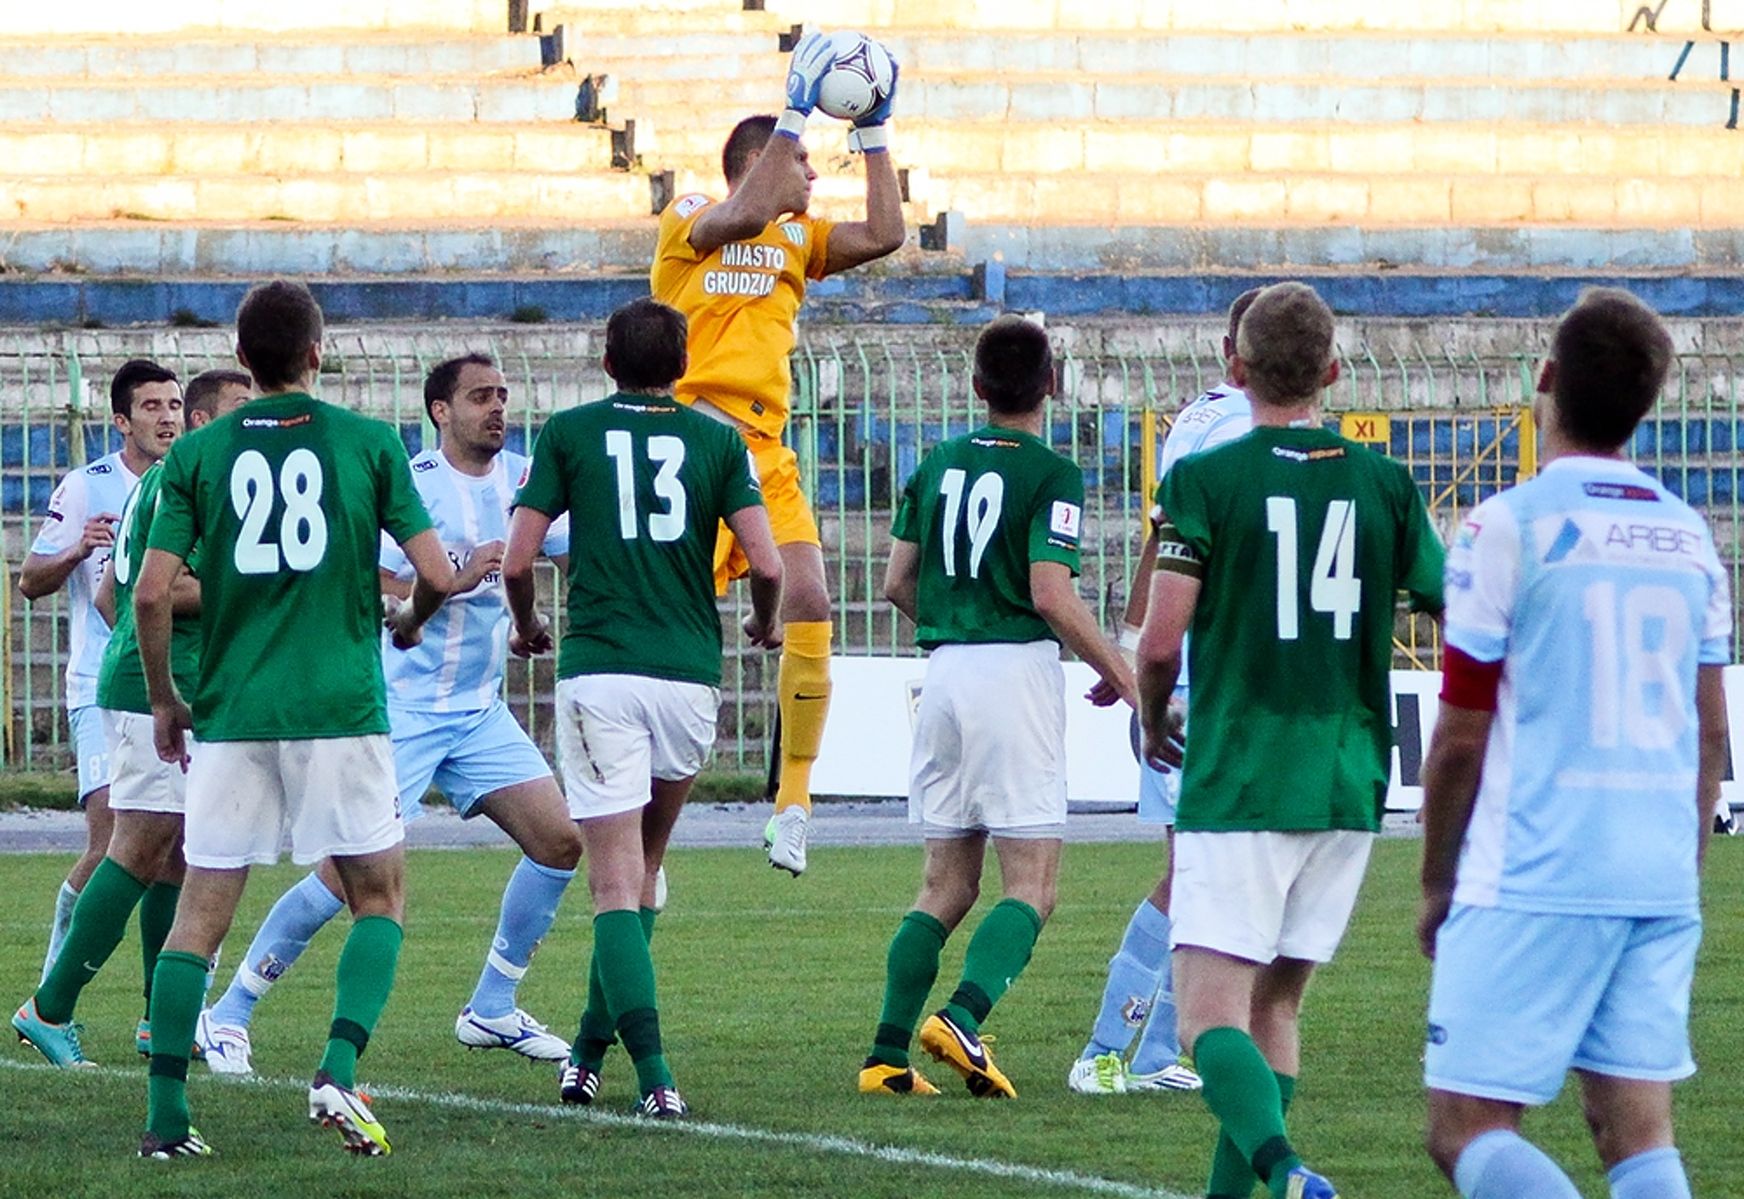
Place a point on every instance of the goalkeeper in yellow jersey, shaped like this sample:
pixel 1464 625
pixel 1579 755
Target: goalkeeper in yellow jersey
pixel 737 269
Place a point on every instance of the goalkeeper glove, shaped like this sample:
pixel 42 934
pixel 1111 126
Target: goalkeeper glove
pixel 869 134
pixel 811 61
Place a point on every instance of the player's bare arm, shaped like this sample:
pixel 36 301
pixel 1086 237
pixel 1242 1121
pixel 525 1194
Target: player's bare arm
pixel 1056 600
pixel 1138 596
pixel 1174 597
pixel 531 634
pixel 778 183
pixel 43 574
pixel 392 584
pixel 881 234
pixel 153 611
pixel 1714 741
pixel 902 577
pixel 1452 771
pixel 104 600
pixel 750 526
pixel 435 582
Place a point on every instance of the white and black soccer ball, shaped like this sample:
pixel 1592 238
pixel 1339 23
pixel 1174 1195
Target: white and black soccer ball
pixel 860 80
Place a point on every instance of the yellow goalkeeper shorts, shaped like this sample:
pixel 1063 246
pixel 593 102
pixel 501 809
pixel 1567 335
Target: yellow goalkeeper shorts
pixel 790 513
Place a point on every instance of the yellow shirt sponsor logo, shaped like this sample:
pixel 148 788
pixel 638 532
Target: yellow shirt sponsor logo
pixel 741 301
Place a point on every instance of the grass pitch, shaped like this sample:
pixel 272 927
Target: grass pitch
pixel 769 992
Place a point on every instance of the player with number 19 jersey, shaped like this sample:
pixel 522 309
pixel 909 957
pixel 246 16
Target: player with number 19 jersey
pixel 983 508
pixel 289 597
pixel 1302 541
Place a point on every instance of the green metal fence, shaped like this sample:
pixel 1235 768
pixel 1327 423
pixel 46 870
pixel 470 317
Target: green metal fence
pixel 865 410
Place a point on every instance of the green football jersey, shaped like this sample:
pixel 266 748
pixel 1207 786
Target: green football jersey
pixel 121 679
pixel 982 508
pixel 1303 541
pixel 287 497
pixel 646 483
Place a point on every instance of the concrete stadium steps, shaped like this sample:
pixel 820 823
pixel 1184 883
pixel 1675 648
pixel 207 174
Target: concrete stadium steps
pixel 908 302
pixel 1278 53
pixel 297 150
pixel 153 249
pixel 248 99
pixel 139 59
pixel 119 18
pixel 1506 16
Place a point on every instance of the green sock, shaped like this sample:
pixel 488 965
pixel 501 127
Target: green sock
pixel 997 954
pixel 177 989
pixel 910 969
pixel 597 1032
pixel 99 923
pixel 1232 1177
pixel 366 978
pixel 1243 1093
pixel 157 912
pixel 627 974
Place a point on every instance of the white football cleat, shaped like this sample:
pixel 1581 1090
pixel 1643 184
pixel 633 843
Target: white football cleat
pixel 347 1112
pixel 223 1047
pixel 517 1031
pixel 1104 1074
pixel 1176 1077
pixel 785 837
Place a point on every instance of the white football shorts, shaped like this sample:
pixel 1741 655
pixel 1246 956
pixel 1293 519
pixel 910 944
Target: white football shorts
pixel 616 733
pixel 139 780
pixel 1265 895
pixel 334 796
pixel 990 742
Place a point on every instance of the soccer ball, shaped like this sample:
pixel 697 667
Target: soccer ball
pixel 860 80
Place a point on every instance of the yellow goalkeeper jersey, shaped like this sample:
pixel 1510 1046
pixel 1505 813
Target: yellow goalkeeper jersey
pixel 742 301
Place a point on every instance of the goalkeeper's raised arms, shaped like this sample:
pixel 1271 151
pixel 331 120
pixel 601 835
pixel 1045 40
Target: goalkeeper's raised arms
pixel 811 61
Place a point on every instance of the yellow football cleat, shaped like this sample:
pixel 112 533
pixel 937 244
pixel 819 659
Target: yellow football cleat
pixel 876 1078
pixel 964 1052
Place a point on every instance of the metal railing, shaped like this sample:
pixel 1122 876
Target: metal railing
pixel 865 411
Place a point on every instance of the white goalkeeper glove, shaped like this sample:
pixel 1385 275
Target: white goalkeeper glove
pixel 811 61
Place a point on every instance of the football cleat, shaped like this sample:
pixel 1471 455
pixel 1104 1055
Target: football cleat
pixel 517 1031
pixel 784 837
pixel 1104 1074
pixel 157 1149
pixel 1725 823
pixel 1304 1183
pixel 877 1078
pixel 1177 1076
pixel 223 1047
pixel 965 1053
pixel 577 1084
pixel 347 1111
pixel 663 1103
pixel 59 1043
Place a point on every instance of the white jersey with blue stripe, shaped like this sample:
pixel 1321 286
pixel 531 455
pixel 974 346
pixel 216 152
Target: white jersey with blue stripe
pixel 458 667
pixel 1216 418
pixel 101 487
pixel 1599 592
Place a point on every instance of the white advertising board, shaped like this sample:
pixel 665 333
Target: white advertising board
pixel 866 743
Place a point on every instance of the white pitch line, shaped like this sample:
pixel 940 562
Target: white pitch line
pixel 818 1142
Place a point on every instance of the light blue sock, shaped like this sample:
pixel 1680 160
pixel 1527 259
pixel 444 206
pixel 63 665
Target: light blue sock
pixel 529 906
pixel 1133 974
pixel 1159 1044
pixel 298 915
pixel 1503 1165
pixel 1656 1174
pixel 65 902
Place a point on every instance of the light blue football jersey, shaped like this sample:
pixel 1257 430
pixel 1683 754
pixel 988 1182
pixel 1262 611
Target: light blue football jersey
pixel 458 667
pixel 1600 592
pixel 101 486
pixel 1216 418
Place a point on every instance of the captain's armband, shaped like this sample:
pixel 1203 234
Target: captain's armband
pixel 1174 554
